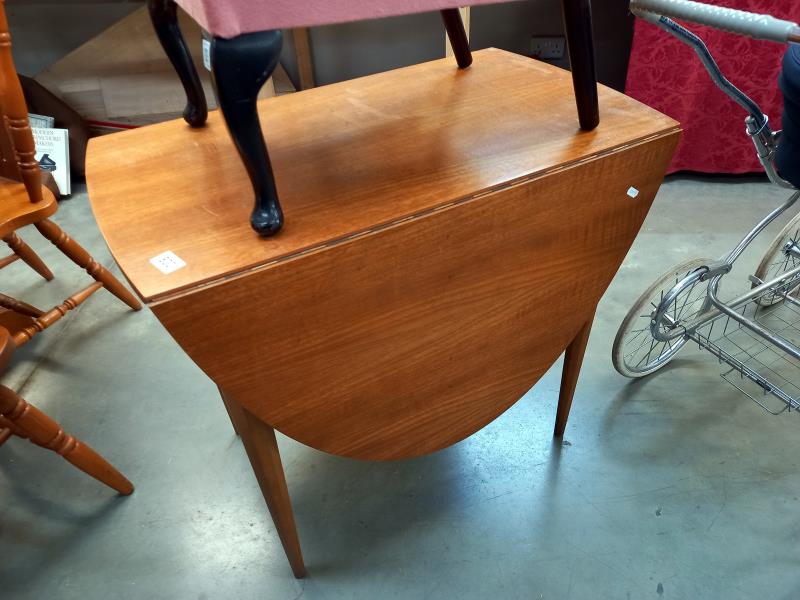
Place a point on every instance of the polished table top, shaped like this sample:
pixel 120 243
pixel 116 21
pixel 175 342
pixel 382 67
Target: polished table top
pixel 348 158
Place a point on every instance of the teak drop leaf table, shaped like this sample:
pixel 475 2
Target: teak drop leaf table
pixel 443 250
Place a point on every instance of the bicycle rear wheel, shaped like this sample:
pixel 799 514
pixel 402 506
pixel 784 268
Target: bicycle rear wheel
pixel 779 260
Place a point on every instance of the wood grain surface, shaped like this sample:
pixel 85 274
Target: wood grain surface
pixel 347 158
pixel 414 336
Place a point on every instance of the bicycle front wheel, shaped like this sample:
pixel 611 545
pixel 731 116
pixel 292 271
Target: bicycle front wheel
pixel 636 352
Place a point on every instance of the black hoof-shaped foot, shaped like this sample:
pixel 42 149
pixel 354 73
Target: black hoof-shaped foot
pixel 267 221
pixel 194 115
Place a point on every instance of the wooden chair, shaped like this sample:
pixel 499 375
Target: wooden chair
pixel 17 417
pixel 25 201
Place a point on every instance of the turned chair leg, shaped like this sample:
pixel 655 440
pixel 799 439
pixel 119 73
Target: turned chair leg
pixel 262 450
pixel 573 359
pixel 26 253
pixel 83 259
pixel 164 16
pixel 6 425
pixel 580 41
pixel 6 429
pixel 19 307
pixel 28 421
pixel 458 36
pixel 240 66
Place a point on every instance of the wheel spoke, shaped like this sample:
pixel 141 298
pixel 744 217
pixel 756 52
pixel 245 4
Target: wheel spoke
pixel 638 333
pixel 641 345
pixel 688 295
pixel 653 345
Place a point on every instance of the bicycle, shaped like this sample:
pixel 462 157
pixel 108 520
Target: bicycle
pixel 756 335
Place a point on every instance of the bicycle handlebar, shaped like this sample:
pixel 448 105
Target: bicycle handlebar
pixel 759 27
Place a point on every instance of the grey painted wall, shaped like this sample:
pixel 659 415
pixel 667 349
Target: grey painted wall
pixel 356 49
pixel 44 31
pixel 349 50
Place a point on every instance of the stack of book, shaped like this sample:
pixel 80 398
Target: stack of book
pixel 52 150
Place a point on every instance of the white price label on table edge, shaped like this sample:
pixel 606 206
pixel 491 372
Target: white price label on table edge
pixel 167 262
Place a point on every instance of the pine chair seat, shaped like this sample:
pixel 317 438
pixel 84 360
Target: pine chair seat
pixel 17 210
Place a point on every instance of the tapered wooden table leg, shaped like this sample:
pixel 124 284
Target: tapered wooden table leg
pixel 262 450
pixel 233 411
pixel 573 359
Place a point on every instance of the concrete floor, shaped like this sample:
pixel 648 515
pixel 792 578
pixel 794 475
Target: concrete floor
pixel 672 487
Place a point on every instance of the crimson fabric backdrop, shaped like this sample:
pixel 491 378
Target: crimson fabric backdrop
pixel 666 74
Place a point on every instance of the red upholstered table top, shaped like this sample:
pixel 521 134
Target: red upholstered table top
pixel 667 75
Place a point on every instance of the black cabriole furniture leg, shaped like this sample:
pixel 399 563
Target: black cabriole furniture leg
pixel 164 16
pixel 240 66
pixel 458 37
pixel 578 26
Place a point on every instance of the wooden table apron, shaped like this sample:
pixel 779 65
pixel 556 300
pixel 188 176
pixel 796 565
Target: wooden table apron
pixel 410 337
